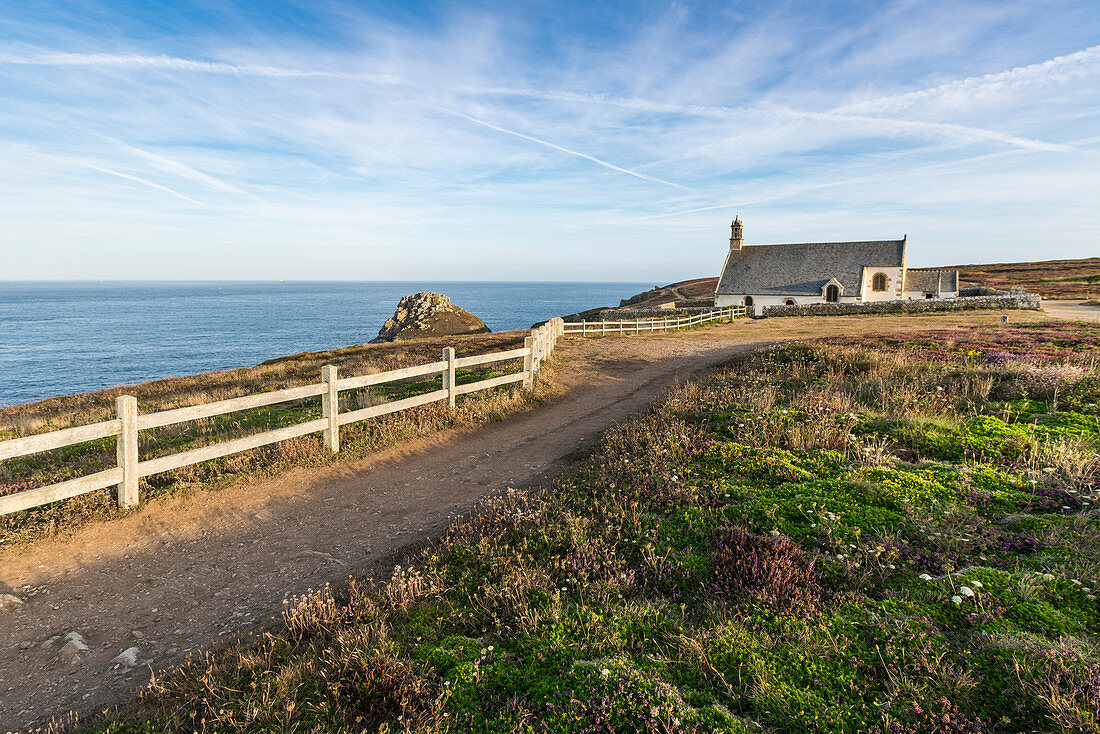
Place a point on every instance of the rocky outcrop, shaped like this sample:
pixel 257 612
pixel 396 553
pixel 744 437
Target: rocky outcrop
pixel 428 314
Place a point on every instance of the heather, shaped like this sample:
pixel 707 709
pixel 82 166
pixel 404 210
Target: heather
pixel 875 534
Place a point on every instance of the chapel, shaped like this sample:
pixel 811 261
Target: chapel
pixel 825 272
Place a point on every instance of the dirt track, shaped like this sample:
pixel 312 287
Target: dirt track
pixel 180 574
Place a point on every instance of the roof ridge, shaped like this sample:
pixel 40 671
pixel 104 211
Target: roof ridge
pixel 846 242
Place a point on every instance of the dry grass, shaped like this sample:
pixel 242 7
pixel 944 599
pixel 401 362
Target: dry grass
pixel 357 439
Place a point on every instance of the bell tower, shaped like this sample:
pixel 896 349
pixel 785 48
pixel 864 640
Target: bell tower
pixel 736 240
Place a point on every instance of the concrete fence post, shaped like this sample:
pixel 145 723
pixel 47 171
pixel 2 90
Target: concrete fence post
pixel 330 408
pixel 529 362
pixel 449 375
pixel 126 450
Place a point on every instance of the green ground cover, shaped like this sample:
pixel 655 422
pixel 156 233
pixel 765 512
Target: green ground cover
pixel 858 534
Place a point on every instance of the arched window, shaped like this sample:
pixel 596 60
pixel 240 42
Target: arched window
pixel 878 283
pixel 832 294
pixel 789 302
pixel 748 300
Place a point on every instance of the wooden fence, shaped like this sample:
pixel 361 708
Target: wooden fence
pixel 653 325
pixel 129 422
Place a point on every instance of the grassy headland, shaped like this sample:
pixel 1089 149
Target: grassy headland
pixel 854 534
pixel 357 439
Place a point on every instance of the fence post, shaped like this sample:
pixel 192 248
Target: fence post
pixel 126 450
pixel 449 374
pixel 528 361
pixel 330 408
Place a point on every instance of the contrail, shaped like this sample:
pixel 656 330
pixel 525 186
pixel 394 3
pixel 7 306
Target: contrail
pixel 183 170
pixel 146 182
pixel 175 63
pixel 595 160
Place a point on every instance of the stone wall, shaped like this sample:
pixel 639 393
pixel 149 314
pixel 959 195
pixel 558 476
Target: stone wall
pixel 628 314
pixel 1025 301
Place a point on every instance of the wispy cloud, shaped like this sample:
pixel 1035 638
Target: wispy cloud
pixel 1059 70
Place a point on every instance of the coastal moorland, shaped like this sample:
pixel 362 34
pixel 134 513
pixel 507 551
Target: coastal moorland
pixel 1054 279
pixel 859 533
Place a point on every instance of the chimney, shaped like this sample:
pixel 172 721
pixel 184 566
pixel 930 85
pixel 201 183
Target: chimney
pixel 736 240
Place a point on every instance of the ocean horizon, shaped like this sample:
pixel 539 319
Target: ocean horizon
pixel 67 337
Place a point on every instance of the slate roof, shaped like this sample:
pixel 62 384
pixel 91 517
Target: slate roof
pixel 803 269
pixel 932 281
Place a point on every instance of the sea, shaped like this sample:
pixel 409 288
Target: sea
pixel 62 338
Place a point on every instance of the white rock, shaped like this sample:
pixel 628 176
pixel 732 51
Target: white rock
pixel 74 647
pixel 127 658
pixel 9 600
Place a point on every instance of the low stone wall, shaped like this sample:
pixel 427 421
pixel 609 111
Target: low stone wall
pixel 1025 301
pixel 627 314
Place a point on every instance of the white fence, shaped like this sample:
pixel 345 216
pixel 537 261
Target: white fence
pixel 652 325
pixel 128 423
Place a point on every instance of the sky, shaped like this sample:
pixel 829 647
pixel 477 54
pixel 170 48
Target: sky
pixel 604 141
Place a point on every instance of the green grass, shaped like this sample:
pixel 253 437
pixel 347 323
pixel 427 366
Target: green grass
pixel 843 536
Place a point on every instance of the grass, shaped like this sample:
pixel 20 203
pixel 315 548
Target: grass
pixel 854 534
pixel 357 439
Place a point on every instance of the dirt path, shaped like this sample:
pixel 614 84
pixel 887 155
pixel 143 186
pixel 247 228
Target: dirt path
pixel 1076 310
pixel 179 574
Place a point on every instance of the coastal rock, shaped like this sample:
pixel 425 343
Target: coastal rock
pixel 428 314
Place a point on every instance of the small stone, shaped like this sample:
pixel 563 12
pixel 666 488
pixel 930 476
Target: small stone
pixel 137 634
pixel 127 658
pixel 26 645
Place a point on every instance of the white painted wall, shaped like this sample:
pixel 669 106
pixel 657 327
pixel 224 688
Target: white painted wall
pixel 759 301
pixel 895 281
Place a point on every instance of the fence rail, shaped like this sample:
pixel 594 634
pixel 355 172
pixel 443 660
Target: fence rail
pixel 536 348
pixel 651 326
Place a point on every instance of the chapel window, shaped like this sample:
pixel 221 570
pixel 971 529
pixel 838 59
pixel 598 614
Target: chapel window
pixel 878 283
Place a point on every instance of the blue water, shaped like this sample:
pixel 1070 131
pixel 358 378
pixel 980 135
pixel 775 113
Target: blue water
pixel 65 338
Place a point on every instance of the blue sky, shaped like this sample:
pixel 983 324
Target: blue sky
pixel 536 140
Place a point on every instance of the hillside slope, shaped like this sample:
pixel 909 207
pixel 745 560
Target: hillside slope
pixel 1056 279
